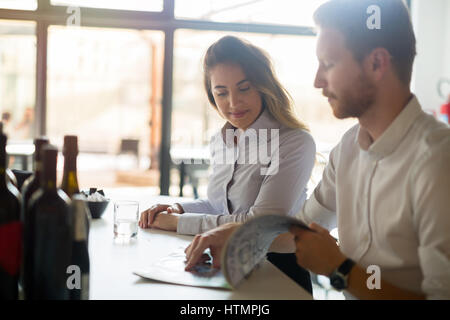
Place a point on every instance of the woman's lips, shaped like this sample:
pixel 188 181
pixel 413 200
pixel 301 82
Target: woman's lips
pixel 238 114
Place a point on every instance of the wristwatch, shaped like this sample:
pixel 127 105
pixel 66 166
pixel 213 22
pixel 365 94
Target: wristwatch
pixel 339 277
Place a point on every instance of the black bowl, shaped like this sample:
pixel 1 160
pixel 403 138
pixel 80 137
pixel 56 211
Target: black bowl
pixel 97 208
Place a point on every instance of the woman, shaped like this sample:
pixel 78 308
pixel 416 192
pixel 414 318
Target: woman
pixel 241 85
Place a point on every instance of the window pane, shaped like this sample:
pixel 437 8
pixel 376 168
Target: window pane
pixel 104 85
pixel 136 5
pixel 18 4
pixel 286 12
pixel 17 78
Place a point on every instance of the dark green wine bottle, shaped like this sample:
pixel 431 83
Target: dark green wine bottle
pixel 33 183
pixel 70 180
pixel 51 236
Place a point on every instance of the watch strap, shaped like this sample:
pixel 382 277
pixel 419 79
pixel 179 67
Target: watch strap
pixel 346 266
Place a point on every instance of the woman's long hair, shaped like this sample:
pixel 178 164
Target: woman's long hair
pixel 258 69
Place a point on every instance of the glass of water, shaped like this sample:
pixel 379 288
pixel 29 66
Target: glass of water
pixel 126 216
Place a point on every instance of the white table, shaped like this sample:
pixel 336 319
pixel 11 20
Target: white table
pixel 112 264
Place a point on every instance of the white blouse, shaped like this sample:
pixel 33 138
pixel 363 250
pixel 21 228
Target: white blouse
pixel 239 188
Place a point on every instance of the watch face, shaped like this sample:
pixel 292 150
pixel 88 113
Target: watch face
pixel 337 282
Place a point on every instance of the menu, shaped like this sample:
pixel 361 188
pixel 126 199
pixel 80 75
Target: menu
pixel 244 251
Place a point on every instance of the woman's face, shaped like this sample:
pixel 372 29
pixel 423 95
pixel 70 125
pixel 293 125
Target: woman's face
pixel 236 98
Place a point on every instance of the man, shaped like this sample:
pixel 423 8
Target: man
pixel 387 182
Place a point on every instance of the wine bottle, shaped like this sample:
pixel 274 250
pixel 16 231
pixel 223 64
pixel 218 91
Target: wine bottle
pixel 70 152
pixel 79 285
pixel 33 183
pixel 9 174
pixel 10 231
pixel 50 220
pixel 30 186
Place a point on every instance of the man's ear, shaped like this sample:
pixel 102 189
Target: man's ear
pixel 378 63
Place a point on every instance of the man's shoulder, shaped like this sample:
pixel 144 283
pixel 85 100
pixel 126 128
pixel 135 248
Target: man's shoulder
pixel 432 136
pixel 432 146
pixel 349 139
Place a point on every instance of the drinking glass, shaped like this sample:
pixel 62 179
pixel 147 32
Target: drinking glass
pixel 126 216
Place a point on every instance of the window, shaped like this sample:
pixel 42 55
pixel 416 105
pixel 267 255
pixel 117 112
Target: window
pixel 284 12
pixel 104 85
pixel 17 78
pixel 136 5
pixel 18 4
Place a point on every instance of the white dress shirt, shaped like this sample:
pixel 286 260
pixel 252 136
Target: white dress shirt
pixel 391 201
pixel 238 190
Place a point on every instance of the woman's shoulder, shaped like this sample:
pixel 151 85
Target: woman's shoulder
pixel 296 137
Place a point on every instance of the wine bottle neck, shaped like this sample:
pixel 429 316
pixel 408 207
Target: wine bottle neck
pixel 2 177
pixel 3 161
pixel 49 159
pixel 48 181
pixel 38 166
pixel 70 164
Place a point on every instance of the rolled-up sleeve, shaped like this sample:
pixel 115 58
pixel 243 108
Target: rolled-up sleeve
pixel 321 205
pixel 281 193
pixel 430 186
pixel 198 206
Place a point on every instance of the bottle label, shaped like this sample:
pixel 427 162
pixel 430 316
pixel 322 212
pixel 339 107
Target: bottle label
pixel 80 220
pixel 10 247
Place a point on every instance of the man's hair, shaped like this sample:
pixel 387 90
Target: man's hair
pixel 395 34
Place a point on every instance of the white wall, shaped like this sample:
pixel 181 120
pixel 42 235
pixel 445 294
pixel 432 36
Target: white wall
pixel 431 22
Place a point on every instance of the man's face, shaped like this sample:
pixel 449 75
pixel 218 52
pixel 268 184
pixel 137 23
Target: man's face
pixel 342 79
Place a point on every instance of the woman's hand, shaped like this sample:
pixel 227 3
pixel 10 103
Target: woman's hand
pixel 148 216
pixel 166 221
pixel 213 239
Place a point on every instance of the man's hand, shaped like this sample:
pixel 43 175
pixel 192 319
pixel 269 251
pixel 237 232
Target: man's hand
pixel 317 250
pixel 213 239
pixel 148 216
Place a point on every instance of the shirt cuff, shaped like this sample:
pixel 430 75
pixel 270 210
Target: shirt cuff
pixel 196 206
pixel 313 211
pixel 190 223
pixel 436 273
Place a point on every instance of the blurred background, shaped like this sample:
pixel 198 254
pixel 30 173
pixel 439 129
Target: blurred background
pixel 126 77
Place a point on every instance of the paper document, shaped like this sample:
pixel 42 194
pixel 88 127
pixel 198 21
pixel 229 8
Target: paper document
pixel 245 249
pixel 171 269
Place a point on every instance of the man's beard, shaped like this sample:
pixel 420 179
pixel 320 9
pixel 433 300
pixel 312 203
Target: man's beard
pixel 356 100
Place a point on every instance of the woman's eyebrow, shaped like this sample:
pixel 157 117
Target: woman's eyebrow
pixel 224 87
pixel 242 81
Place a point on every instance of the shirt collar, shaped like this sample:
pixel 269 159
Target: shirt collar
pixel 393 135
pixel 264 121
